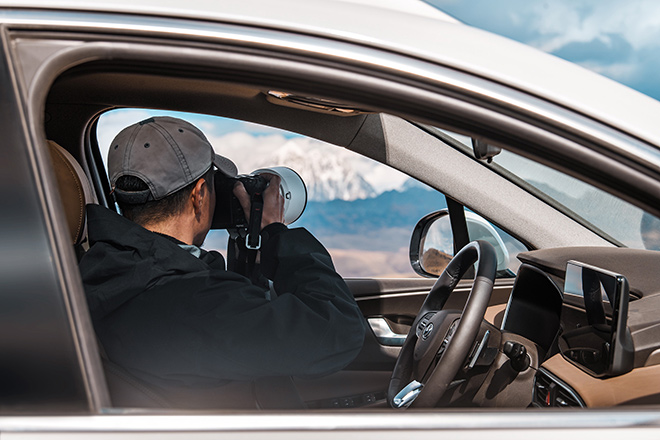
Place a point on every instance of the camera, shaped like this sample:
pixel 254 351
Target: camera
pixel 228 211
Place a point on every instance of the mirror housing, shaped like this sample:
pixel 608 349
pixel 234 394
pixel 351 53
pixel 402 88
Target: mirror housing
pixel 432 243
pixel 484 151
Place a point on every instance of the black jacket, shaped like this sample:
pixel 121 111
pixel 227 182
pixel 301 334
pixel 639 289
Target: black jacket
pixel 173 319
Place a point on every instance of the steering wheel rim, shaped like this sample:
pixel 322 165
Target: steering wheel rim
pixel 457 342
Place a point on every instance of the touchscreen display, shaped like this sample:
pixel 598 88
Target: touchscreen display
pixel 604 347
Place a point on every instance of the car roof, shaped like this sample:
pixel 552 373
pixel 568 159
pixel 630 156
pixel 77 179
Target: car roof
pixel 414 31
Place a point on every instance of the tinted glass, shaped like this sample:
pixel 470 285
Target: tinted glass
pixel 612 218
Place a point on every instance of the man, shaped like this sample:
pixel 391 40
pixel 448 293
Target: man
pixel 168 311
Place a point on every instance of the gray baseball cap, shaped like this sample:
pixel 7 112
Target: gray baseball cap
pixel 166 153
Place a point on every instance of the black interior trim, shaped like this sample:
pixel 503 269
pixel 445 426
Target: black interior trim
pixel 458 225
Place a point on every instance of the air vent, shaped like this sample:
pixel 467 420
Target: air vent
pixel 549 391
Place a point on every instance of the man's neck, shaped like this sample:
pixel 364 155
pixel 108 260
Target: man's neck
pixel 174 227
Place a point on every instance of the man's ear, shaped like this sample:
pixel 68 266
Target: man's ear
pixel 198 195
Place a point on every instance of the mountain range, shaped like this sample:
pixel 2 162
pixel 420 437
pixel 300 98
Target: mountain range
pixel 329 172
pixel 384 222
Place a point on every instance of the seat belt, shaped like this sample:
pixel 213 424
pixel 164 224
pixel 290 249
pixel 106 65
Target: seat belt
pixel 458 224
pixel 244 245
pixel 459 230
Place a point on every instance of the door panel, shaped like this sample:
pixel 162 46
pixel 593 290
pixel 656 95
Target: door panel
pixel 397 301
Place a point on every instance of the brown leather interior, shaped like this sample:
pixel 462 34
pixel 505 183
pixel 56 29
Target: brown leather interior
pixel 495 314
pixel 74 188
pixel 628 389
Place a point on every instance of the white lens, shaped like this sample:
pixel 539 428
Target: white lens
pixel 292 188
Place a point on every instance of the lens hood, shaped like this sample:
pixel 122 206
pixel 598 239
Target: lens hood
pixel 292 188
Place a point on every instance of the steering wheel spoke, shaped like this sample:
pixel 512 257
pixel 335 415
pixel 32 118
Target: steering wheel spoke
pixel 433 341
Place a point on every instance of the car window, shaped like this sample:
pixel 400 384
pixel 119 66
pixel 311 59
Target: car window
pixel 363 211
pixel 610 217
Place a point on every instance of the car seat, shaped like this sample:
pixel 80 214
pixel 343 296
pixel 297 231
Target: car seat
pixel 76 192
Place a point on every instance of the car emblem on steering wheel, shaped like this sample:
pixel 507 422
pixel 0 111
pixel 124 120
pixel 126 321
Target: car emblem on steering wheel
pixel 427 331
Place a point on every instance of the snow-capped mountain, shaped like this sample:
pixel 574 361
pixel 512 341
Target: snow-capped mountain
pixel 412 183
pixel 329 172
pixel 327 176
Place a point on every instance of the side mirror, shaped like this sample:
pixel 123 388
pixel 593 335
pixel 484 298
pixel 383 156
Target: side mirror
pixel 432 242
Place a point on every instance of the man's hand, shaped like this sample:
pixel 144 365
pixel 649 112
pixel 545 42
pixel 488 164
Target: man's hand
pixel 273 200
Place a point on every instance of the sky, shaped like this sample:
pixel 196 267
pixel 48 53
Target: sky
pixel 619 39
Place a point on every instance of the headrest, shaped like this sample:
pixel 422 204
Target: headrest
pixel 75 190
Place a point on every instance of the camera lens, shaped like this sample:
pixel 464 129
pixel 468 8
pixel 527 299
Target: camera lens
pixel 292 188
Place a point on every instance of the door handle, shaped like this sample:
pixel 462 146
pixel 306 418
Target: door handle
pixel 384 334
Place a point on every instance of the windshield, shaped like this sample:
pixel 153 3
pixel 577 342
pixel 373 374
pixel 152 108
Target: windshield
pixel 612 218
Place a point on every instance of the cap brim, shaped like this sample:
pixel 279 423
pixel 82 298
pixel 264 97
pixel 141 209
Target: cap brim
pixel 224 165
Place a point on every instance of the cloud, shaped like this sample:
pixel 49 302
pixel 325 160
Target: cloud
pixel 619 39
pixel 604 49
pixel 645 75
pixel 111 123
pixel 258 129
pixel 635 21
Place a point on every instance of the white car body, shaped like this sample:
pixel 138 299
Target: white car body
pixel 422 54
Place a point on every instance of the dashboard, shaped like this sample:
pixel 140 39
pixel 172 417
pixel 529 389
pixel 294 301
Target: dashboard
pixel 541 310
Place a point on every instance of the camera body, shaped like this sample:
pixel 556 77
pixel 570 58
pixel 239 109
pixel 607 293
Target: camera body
pixel 228 211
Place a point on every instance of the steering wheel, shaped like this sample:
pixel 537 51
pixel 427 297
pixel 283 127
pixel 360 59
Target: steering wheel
pixel 439 341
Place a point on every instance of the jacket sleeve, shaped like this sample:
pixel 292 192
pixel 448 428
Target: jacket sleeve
pixel 313 297
pixel 313 326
